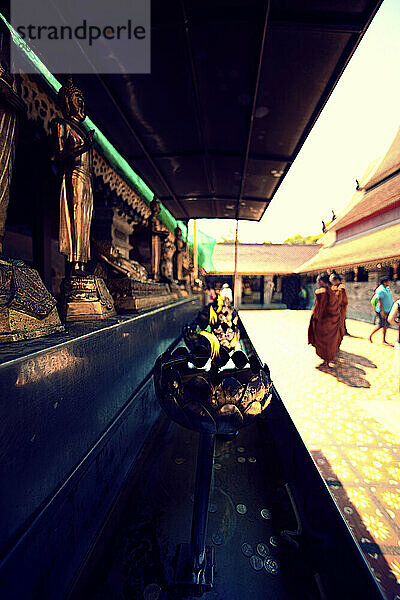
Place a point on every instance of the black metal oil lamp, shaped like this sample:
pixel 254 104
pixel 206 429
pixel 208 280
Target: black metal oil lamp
pixel 214 392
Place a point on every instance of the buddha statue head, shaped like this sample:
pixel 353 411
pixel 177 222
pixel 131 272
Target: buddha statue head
pixel 72 101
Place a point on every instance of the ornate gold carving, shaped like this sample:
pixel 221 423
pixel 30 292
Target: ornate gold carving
pixel 117 184
pixel 39 106
pixel 130 295
pixel 166 262
pixel 27 309
pixel 16 326
pixel 87 298
pixel 112 258
pixel 22 289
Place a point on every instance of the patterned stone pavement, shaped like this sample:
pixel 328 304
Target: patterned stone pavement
pixel 349 418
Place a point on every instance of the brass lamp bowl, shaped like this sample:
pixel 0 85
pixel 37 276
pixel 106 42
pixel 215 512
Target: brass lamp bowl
pixel 217 401
pixel 214 392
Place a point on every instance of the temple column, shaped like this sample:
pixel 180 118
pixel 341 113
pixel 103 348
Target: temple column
pixel 156 235
pixel 155 256
pixel 278 291
pixel 179 245
pixel 237 288
pixel 268 288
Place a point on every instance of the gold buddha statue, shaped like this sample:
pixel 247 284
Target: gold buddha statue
pixel 84 296
pixel 8 122
pixel 74 151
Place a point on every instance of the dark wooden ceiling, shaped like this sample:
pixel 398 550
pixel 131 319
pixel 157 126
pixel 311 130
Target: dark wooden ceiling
pixel 235 88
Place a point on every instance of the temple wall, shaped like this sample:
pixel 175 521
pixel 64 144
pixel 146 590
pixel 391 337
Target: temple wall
pixel 359 295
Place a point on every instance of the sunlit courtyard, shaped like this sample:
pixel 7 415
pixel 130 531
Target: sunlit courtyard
pixel 349 418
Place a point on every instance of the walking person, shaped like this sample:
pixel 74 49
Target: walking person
pixel 383 307
pixel 303 297
pixel 323 330
pixel 339 289
pixel 394 319
pixel 210 294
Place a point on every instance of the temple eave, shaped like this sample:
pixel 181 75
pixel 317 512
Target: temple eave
pixel 377 247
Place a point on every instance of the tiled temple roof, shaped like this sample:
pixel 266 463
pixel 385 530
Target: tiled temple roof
pixel 365 203
pixel 367 249
pixel 370 221
pixel 259 259
pixel 387 166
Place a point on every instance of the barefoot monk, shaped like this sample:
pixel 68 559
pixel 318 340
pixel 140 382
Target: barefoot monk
pixel 323 331
pixel 340 290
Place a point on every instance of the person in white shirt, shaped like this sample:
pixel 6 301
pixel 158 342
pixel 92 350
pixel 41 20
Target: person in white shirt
pixel 226 292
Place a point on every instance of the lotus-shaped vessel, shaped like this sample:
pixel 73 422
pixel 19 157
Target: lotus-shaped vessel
pixel 218 400
pixel 215 391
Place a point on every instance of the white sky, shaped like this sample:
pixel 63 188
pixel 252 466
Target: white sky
pixel 356 126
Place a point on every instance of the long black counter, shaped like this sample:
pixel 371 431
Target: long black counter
pixel 268 501
pixel 75 411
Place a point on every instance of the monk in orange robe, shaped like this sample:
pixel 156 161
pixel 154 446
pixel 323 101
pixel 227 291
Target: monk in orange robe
pixel 323 331
pixel 339 288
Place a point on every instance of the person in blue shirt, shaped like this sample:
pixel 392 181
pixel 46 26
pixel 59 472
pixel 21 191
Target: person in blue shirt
pixel 303 298
pixel 383 308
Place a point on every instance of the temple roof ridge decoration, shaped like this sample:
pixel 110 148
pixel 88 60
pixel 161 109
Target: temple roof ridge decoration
pixel 385 166
pixel 376 190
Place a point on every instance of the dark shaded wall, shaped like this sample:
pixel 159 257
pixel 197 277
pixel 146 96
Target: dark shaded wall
pixel 73 417
pixel 34 208
pixel 290 290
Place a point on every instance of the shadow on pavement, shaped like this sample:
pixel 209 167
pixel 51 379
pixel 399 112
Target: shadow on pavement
pixel 355 518
pixel 356 359
pixel 347 371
